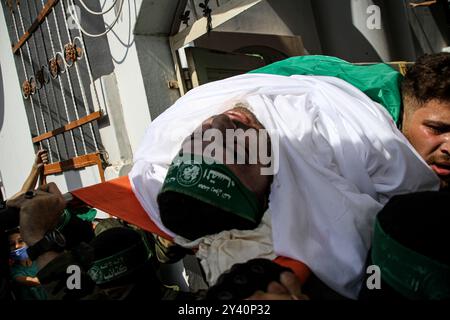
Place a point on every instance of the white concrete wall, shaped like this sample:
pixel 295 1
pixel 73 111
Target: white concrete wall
pixel 280 17
pixel 16 149
pixel 128 72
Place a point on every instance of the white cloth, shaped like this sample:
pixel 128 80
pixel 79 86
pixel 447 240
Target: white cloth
pixel 219 252
pixel 340 159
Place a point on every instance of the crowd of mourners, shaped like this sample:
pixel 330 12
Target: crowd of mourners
pixel 363 180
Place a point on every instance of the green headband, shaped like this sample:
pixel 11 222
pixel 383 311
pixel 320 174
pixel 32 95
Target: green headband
pixel 413 275
pixel 118 265
pixel 213 183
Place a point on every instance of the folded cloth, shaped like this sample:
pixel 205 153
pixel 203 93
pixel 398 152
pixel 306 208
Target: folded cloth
pixel 219 252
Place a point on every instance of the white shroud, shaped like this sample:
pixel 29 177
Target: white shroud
pixel 340 158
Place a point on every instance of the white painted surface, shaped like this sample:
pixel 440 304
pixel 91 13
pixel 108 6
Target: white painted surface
pixel 16 149
pixel 280 17
pixel 128 72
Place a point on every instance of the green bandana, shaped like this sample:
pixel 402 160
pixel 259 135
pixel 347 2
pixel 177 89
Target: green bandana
pixel 213 183
pixel 413 275
pixel 118 265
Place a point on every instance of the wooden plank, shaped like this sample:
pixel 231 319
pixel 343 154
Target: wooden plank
pixel 220 15
pixel 79 162
pixel 401 66
pixel 40 18
pixel 70 126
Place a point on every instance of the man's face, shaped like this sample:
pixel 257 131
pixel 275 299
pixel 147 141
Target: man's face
pixel 240 121
pixel 428 130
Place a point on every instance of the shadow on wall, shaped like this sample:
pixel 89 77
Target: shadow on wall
pixel 298 17
pixel 338 36
pixel 97 48
pixel 2 100
pixel 130 38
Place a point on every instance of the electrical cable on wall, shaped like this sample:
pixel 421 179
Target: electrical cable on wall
pixel 108 29
pixel 96 12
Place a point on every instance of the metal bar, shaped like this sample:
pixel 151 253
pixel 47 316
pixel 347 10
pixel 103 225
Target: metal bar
pixel 83 93
pixel 45 92
pixel 60 86
pixel 37 22
pixel 70 87
pixel 52 89
pixel 37 91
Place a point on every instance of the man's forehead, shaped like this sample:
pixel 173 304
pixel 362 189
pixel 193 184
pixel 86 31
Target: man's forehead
pixel 436 110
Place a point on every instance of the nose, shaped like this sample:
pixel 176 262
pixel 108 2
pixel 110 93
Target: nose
pixel 445 147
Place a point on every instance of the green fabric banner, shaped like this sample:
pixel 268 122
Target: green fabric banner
pixel 379 81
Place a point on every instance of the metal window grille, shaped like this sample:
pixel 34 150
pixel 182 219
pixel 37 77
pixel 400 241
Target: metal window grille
pixel 56 82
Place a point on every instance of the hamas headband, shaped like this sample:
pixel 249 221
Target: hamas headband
pixel 203 179
pixel 119 265
pixel 412 274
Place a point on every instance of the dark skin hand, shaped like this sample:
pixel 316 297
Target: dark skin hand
pixel 40 160
pixel 39 215
pixel 289 288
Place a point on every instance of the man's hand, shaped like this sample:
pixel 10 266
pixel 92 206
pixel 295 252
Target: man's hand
pixel 40 213
pixel 288 288
pixel 40 159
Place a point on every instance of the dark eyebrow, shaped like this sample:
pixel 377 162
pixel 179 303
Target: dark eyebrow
pixel 437 124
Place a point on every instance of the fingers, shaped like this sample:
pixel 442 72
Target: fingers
pixel 42 156
pixel 50 188
pixel 260 295
pixel 277 288
pixel 292 284
pixel 289 288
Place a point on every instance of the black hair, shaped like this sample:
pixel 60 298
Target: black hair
pixel 193 219
pixel 428 79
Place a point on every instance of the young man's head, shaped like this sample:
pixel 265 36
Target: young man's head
pixel 216 183
pixel 15 239
pixel 426 118
pixel 17 246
